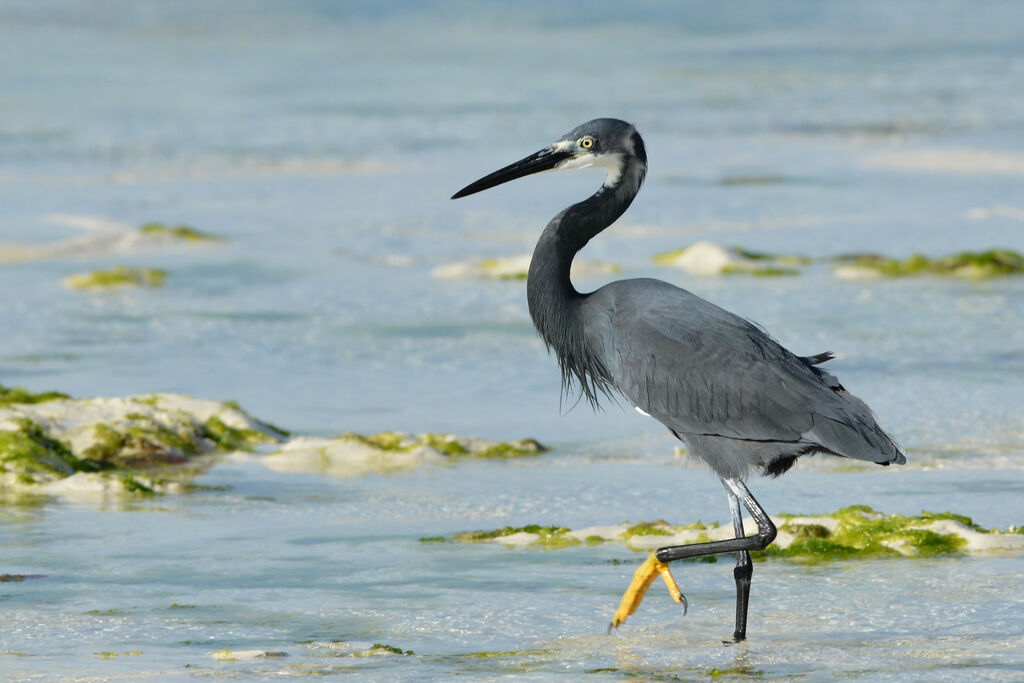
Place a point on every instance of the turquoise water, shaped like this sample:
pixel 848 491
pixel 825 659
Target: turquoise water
pixel 323 141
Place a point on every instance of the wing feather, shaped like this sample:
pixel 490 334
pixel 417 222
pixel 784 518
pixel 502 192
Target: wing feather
pixel 702 370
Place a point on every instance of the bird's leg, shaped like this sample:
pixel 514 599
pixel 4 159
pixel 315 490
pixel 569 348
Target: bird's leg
pixel 759 541
pixel 742 573
pixel 656 563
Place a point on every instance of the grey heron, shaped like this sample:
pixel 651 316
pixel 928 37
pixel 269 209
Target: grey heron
pixel 736 398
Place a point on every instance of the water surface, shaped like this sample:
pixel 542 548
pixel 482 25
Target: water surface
pixel 323 142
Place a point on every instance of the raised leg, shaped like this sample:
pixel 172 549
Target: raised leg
pixel 759 541
pixel 742 573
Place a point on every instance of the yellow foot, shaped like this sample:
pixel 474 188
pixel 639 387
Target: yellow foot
pixel 642 580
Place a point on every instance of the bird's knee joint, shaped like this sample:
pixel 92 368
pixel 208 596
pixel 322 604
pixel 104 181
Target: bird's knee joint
pixel 765 535
pixel 743 572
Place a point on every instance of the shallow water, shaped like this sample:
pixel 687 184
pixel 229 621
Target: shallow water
pixel 323 141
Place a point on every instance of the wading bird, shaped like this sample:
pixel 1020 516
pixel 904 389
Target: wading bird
pixel 737 399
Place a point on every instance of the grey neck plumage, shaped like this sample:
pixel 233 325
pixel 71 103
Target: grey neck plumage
pixel 553 301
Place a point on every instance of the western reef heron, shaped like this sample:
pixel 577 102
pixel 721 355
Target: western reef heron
pixel 737 399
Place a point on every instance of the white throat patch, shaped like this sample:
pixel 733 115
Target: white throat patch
pixel 613 162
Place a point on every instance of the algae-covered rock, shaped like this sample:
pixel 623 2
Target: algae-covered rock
pixel 23 395
pixel 119 276
pixel 353 455
pixel 247 655
pixel 708 258
pixel 342 648
pixel 971 265
pixel 104 237
pixel 531 534
pixel 103 445
pixel 516 268
pixel 855 532
pixel 178 232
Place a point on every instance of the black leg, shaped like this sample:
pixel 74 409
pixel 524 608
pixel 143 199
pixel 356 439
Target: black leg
pixel 742 573
pixel 741 545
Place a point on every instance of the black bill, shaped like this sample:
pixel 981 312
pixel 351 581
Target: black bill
pixel 544 160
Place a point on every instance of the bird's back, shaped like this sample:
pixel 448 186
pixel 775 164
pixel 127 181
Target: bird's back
pixel 735 396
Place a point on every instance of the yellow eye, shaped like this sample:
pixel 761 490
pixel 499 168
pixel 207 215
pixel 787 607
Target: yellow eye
pixel 587 143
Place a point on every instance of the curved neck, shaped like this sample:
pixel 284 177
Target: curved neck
pixel 552 299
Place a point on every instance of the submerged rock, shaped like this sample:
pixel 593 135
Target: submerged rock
pixel 516 268
pixel 971 265
pixel 708 258
pixel 54 444
pixel 341 648
pixel 119 276
pixel 849 533
pixel 353 455
pixel 247 655
pixel 104 237
pixel 178 232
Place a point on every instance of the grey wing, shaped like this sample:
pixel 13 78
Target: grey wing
pixel 702 370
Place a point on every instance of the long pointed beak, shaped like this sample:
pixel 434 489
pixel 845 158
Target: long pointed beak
pixel 544 160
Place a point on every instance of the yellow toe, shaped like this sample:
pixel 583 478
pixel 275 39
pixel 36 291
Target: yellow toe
pixel 642 580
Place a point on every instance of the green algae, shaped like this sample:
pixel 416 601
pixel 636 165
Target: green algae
pixel 382 648
pixel 963 519
pixel 132 485
pixel 382 441
pixel 32 455
pixel 785 259
pixel 663 528
pixel 864 533
pixel 115 655
pixel 859 532
pixel 181 232
pixel 107 445
pixel 973 265
pixel 495 268
pixel 119 276
pixel 445 444
pixel 647 529
pixel 18 578
pixel 667 258
pixel 155 438
pixel 512 450
pixel 230 438
pixel 767 271
pixel 128 449
pixel 147 442
pixel 548 536
pixel 282 433
pixel 13 395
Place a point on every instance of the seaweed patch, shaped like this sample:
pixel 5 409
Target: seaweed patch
pixel 136 445
pixel 119 276
pixel 970 265
pixel 854 532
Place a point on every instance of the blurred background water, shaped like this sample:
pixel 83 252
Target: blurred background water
pixel 323 140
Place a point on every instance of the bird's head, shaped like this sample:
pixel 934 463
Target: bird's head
pixel 609 143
